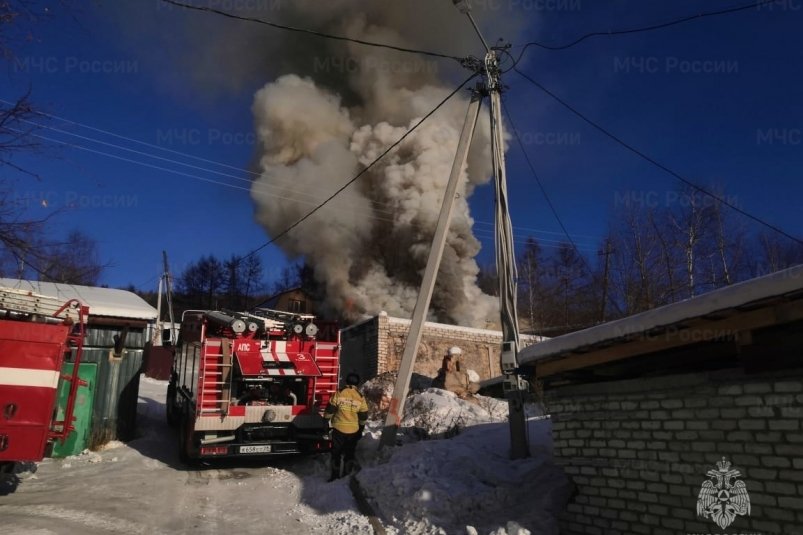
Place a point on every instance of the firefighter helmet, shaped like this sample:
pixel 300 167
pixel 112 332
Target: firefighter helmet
pixel 352 379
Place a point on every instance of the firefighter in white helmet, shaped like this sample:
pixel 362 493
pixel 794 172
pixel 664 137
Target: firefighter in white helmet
pixel 452 378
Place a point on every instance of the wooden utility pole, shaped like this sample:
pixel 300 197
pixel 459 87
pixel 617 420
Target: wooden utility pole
pixel 606 253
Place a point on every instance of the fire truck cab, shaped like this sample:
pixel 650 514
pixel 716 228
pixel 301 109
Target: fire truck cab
pixel 252 384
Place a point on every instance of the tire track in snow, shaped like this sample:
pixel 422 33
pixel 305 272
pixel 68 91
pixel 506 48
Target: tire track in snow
pixel 99 521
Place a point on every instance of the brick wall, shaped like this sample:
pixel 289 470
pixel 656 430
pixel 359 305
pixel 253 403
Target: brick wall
pixel 481 347
pixel 377 345
pixel 638 451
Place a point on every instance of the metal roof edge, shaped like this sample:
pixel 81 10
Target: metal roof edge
pixel 737 295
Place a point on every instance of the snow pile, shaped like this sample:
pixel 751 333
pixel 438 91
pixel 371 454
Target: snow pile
pixel 379 390
pixel 450 486
pixel 466 483
pixel 437 413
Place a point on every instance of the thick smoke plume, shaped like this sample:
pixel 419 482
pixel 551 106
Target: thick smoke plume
pixel 323 121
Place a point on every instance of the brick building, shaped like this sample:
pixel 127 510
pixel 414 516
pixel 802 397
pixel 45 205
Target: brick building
pixel 645 407
pixel 375 346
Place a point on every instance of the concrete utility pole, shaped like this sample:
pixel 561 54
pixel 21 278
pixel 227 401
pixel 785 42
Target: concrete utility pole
pixel 166 286
pixel 515 387
pixel 428 283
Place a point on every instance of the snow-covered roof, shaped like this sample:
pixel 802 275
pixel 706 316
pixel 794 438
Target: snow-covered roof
pixel 107 302
pixel 738 296
pixel 445 326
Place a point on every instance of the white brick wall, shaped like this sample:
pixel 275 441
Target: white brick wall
pixel 639 451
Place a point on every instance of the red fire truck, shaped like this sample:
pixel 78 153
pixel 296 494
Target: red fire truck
pixel 252 384
pixel 36 333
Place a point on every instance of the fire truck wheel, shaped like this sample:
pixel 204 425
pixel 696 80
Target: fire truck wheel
pixel 185 441
pixel 7 467
pixel 170 405
pixel 182 442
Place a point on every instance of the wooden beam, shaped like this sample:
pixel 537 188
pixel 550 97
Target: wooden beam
pixel 703 331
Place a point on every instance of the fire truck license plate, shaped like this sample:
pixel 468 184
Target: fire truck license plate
pixel 254 449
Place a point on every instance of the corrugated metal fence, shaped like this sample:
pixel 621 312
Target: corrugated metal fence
pixel 114 412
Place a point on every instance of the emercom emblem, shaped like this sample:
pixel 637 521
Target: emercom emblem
pixel 723 497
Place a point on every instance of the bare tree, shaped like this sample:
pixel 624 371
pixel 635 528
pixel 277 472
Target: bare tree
pixel 636 261
pixel 529 267
pixel 729 245
pixel 691 220
pixel 202 283
pixel 669 261
pixel 243 280
pixel 775 253
pixel 74 261
pixel 23 248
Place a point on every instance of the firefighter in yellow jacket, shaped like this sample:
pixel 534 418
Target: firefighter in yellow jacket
pixel 347 412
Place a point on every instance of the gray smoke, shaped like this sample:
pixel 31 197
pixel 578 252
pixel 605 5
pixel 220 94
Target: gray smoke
pixel 320 125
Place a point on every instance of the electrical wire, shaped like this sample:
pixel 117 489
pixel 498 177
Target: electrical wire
pixel 139 142
pixel 276 184
pixel 541 187
pixel 547 198
pixel 117 157
pixel 310 32
pixel 481 233
pixel 506 270
pixel 657 164
pixel 256 187
pixel 659 26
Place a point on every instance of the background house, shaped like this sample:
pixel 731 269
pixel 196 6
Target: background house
pixel 294 300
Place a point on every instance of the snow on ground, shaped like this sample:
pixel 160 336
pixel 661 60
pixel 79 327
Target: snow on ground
pixel 463 484
pixel 466 483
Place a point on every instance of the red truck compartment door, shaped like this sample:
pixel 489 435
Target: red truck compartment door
pixel 31 355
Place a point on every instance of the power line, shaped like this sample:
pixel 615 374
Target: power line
pixel 659 26
pixel 363 171
pixel 541 186
pixel 274 184
pixel 261 185
pixel 310 32
pixel 139 142
pixel 375 214
pixel 548 200
pixel 117 157
pixel 655 162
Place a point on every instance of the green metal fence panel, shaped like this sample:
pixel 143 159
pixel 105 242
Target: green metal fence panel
pixel 79 439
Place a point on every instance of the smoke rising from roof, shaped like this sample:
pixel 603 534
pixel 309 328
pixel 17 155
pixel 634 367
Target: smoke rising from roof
pixel 320 125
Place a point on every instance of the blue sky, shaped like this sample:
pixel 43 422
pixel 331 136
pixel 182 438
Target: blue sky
pixel 718 100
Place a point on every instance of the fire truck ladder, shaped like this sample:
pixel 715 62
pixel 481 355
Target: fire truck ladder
pixel 327 359
pixel 62 429
pixel 21 302
pixel 214 389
